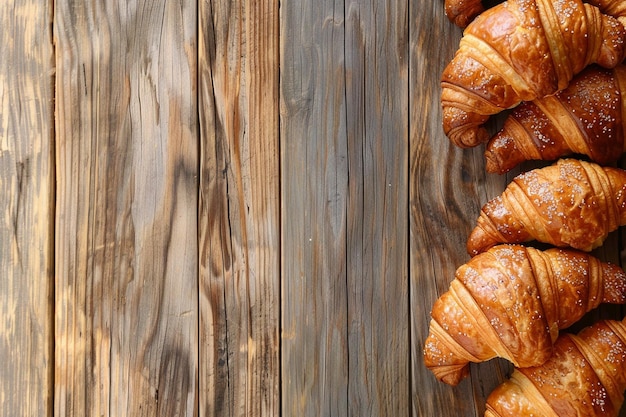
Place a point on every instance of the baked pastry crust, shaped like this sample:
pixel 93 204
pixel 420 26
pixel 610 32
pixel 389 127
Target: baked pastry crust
pixel 510 302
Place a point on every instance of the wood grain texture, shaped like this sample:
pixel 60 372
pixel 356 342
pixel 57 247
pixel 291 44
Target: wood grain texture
pixel 376 59
pixel 26 207
pixel 239 209
pixel 345 233
pixel 126 228
pixel 314 203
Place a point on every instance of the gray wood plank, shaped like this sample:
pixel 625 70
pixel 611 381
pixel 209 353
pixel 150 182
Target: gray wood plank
pixel 314 192
pixel 377 57
pixel 126 227
pixel 26 208
pixel 239 230
pixel 345 234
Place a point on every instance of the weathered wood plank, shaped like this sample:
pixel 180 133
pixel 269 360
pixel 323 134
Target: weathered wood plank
pixel 345 232
pixel 126 226
pixel 239 208
pixel 377 52
pixel 27 206
pixel 314 189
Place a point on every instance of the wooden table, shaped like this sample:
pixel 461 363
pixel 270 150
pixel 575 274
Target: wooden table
pixel 230 208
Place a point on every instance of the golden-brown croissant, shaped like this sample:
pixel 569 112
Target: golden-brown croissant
pixel 586 118
pixel 571 203
pixel 510 302
pixel 518 51
pixel 586 376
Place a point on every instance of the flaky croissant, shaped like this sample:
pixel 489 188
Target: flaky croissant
pixel 571 203
pixel 586 376
pixel 510 302
pixel 587 118
pixel 518 51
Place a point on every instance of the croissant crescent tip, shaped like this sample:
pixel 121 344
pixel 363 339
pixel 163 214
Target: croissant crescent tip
pixel 493 164
pixel 478 241
pixel 451 374
pixel 443 362
pixel 502 154
pixel 461 13
pixel 468 136
pixel 453 379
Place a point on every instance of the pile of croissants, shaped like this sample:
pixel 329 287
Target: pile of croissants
pixel 558 68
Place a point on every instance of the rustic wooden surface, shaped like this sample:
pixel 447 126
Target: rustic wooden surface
pixel 27 208
pixel 126 250
pixel 344 138
pixel 239 211
pixel 231 208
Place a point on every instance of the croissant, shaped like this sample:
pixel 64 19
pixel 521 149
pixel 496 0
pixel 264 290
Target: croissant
pixel 518 51
pixel 510 302
pixel 570 203
pixel 462 12
pixel 585 377
pixel 586 118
